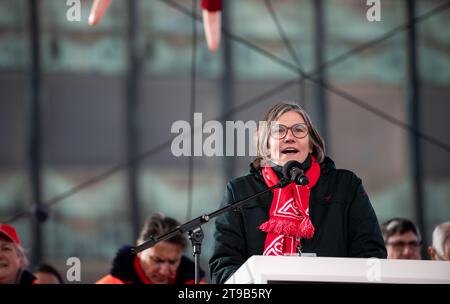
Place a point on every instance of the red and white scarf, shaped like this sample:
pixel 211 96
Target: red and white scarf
pixel 289 213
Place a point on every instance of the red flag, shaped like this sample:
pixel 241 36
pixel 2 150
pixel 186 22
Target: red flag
pixel 98 9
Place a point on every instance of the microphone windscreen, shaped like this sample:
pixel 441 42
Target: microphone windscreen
pixel 288 166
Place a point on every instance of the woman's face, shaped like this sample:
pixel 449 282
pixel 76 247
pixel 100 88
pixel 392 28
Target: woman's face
pixel 289 147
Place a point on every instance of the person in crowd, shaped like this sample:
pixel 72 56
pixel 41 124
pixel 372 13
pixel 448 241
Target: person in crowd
pixel 402 238
pixel 163 263
pixel 13 259
pixel 440 248
pixel 47 274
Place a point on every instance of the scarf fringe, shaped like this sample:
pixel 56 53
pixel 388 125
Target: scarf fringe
pixel 304 230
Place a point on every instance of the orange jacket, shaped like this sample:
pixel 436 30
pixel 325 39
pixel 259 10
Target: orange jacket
pixel 110 279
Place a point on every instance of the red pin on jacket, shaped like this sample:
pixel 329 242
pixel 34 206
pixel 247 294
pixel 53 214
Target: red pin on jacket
pixel 212 22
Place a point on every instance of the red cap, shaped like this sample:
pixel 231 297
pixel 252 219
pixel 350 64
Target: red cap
pixel 10 233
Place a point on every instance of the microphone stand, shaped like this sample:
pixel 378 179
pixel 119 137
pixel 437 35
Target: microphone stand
pixel 195 232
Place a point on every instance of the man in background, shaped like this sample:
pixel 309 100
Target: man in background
pixel 402 239
pixel 47 274
pixel 163 263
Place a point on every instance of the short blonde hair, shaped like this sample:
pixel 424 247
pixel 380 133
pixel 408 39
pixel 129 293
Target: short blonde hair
pixel 263 132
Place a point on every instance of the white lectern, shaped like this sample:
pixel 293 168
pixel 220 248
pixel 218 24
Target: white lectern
pixel 285 269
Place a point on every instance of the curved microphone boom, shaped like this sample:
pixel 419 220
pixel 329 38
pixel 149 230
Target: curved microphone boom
pixel 293 171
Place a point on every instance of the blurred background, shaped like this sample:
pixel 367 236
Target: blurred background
pixel 86 112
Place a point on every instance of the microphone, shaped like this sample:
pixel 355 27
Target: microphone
pixel 293 171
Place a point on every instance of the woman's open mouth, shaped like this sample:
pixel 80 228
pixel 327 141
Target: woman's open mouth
pixel 290 151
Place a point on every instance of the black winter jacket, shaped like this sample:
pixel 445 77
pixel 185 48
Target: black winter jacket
pixel 344 220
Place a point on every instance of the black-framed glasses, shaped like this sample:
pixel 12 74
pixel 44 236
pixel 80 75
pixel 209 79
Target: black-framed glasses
pixel 279 131
pixel 399 245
